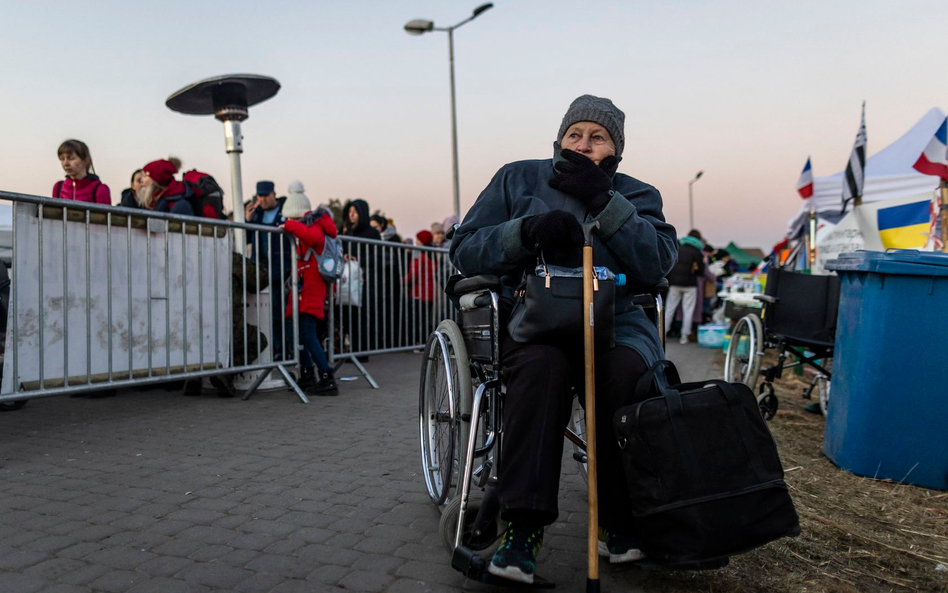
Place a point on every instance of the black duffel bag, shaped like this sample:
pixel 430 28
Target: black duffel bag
pixel 702 468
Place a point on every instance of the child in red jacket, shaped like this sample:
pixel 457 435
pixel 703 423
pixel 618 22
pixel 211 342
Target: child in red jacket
pixel 311 228
pixel 81 183
pixel 420 282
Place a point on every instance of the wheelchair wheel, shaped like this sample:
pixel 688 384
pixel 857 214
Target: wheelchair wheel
pixel 742 363
pixel 486 545
pixel 444 396
pixel 577 423
pixel 767 401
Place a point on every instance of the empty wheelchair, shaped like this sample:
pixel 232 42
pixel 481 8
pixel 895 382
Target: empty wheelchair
pixel 461 420
pixel 798 319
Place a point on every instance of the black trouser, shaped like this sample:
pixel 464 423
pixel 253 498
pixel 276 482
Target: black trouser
pixel 537 409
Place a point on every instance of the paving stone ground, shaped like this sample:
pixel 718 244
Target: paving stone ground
pixel 156 492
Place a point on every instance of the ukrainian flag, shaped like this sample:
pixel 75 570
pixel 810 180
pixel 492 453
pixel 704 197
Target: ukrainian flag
pixel 905 226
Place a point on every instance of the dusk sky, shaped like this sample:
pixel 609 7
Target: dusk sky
pixel 744 91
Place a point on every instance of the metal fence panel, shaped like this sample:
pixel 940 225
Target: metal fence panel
pixel 104 297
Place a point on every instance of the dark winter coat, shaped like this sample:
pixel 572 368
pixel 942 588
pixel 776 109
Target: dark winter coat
pixel 175 199
pixel 272 259
pixel 689 266
pixel 633 239
pixel 361 251
pixel 312 294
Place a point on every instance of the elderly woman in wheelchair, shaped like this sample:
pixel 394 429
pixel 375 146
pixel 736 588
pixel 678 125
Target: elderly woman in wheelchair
pixel 506 437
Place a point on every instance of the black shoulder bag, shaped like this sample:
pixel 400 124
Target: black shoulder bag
pixel 549 308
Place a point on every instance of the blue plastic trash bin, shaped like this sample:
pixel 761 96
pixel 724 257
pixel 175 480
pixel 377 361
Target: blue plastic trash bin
pixel 888 409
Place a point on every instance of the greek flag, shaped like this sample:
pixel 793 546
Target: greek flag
pixel 856 169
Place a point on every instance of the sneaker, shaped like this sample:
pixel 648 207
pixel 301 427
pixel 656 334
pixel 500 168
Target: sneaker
pixel 619 547
pixel 683 341
pixel 516 559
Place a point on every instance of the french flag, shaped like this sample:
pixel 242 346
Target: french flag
pixel 934 159
pixel 805 184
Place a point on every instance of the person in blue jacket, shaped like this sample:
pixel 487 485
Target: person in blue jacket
pixel 538 205
pixel 267 209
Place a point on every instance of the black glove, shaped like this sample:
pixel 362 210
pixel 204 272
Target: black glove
pixel 555 233
pixel 583 179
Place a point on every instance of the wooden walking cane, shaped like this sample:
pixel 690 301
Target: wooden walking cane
pixel 592 578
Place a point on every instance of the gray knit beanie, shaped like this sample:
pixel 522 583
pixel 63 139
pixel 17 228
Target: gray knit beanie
pixel 600 111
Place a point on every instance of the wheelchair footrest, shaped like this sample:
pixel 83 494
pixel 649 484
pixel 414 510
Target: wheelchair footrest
pixel 475 568
pixel 711 564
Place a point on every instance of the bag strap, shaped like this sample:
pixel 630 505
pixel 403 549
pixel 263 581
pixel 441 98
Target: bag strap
pixel 737 410
pixel 676 419
pixel 656 377
pixel 59 189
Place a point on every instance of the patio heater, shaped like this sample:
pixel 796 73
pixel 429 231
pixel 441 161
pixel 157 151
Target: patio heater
pixel 227 98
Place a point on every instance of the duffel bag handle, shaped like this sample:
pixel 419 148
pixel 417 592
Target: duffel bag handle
pixel 665 384
pixel 737 410
pixel 655 377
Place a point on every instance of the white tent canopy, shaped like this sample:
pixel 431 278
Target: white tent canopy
pixel 889 173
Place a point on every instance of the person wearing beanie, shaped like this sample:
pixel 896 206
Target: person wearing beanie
pixel 683 285
pixel 448 226
pixel 421 286
pixel 437 234
pixel 267 210
pixel 311 228
pixel 296 203
pixel 534 208
pixel 161 192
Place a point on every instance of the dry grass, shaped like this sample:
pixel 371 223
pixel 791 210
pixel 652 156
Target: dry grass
pixel 859 535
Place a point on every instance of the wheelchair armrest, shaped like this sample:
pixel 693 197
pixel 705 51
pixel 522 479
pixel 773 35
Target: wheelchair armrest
pixel 765 298
pixel 477 283
pixel 644 300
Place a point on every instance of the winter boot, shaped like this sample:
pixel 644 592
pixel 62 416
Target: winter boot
pixel 224 386
pixel 307 379
pixel 326 386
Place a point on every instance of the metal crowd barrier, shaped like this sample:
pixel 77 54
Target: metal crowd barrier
pixel 104 297
pixel 390 298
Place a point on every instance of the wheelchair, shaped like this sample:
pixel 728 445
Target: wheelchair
pixel 798 318
pixel 461 421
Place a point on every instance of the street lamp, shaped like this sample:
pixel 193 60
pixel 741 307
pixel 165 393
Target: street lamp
pixel 691 206
pixel 419 27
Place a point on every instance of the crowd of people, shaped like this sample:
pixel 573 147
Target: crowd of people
pixel 693 285
pixel 155 187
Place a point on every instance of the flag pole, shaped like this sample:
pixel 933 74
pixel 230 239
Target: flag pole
pixel 811 250
pixel 944 216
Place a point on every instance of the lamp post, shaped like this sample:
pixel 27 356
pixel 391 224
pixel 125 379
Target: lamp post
pixel 691 205
pixel 419 27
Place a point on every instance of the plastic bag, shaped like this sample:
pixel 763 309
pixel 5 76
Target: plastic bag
pixel 350 285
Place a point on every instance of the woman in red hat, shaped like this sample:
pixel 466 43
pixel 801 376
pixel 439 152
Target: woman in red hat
pixel 420 282
pixel 161 192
